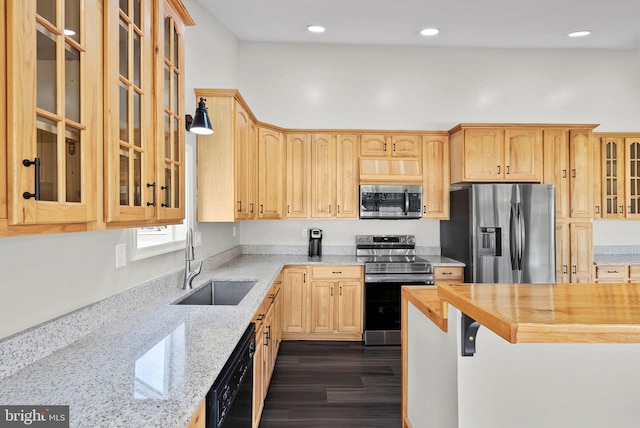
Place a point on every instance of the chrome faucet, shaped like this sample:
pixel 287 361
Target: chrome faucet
pixel 190 255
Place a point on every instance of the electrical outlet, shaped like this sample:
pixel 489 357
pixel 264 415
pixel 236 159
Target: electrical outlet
pixel 198 238
pixel 121 255
pixel 234 231
pixel 304 233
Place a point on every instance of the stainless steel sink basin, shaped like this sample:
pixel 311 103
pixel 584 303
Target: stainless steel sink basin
pixel 219 293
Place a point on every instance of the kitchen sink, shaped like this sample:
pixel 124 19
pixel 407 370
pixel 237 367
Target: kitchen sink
pixel 219 293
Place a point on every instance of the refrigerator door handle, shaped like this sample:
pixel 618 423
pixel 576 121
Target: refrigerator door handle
pixel 522 235
pixel 513 237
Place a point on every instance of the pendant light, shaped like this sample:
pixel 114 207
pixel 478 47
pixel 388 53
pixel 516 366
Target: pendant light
pixel 200 124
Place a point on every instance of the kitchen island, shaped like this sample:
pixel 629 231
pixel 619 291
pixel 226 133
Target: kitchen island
pixel 563 355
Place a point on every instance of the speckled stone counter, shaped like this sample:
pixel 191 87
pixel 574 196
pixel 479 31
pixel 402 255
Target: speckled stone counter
pixel 153 364
pixel 144 362
pixel 616 259
pixel 437 260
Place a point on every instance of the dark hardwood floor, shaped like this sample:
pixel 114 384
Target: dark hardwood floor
pixel 319 384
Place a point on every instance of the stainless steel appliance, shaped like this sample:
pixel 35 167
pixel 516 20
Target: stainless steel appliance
pixel 390 262
pixel 386 201
pixel 315 243
pixel 505 233
pixel 230 399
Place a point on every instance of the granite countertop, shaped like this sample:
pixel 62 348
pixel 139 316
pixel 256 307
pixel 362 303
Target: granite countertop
pixel 149 362
pixel 153 365
pixel 616 259
pixel 443 261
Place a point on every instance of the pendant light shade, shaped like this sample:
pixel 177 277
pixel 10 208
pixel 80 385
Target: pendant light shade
pixel 200 124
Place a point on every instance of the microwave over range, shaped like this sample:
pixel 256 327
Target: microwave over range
pixel 388 201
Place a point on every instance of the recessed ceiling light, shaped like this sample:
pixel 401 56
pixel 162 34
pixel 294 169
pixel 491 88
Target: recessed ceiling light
pixel 580 33
pixel 429 31
pixel 316 28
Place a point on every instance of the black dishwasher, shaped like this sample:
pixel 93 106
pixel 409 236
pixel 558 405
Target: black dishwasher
pixel 230 399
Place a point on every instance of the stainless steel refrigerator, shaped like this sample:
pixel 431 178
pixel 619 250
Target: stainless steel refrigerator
pixel 505 233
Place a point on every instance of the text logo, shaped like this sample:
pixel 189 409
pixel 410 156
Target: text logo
pixel 34 416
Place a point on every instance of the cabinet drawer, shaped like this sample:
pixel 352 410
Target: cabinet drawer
pixel 336 272
pixel 617 272
pixel 443 273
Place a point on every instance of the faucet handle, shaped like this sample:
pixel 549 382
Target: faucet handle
pixel 199 268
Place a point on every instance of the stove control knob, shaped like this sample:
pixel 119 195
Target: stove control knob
pixel 411 239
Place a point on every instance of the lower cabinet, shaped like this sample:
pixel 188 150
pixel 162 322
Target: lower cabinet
pixel 268 321
pixel 448 275
pixel 322 302
pixel 574 252
pixel 616 273
pixel 336 302
pixel 199 419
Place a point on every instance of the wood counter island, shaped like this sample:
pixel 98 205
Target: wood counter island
pixel 563 355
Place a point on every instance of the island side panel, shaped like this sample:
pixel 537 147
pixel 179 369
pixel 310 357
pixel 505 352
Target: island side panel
pixel 547 385
pixel 432 372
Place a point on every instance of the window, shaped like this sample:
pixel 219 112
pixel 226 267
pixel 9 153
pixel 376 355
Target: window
pixel 151 241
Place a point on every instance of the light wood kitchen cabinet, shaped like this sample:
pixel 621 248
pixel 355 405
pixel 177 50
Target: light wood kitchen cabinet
pixel 144 159
pixel 226 159
pixel 271 170
pixel 617 273
pixel 53 116
pixel 435 187
pixel 199 419
pixel 581 180
pixel 574 252
pixel 393 145
pixel 620 175
pixel 347 190
pixel 298 175
pixel 268 337
pixel 556 167
pixel 323 176
pixel 336 302
pixel 448 274
pixel 334 182
pixel 295 302
pixel 488 153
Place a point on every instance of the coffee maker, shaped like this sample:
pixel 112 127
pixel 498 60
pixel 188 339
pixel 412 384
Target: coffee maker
pixel 315 242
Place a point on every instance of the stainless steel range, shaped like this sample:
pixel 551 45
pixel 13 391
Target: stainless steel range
pixel 390 262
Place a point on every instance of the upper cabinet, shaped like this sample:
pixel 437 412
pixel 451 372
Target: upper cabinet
pixel 568 164
pixel 620 175
pixel 298 175
pixel 271 170
pixel 394 145
pixel 144 127
pixel 226 159
pixel 53 62
pixel 435 188
pixel 481 153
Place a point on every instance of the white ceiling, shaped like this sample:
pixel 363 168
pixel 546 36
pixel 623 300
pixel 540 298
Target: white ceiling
pixel 464 23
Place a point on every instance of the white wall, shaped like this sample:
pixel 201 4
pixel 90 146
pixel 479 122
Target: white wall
pixel 47 276
pixel 386 87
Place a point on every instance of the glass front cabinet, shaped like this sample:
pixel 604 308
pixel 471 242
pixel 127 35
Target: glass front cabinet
pixel 53 119
pixel 93 114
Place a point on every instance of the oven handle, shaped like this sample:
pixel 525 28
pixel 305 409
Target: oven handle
pixel 399 279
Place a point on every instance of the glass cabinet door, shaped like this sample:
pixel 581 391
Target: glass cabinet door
pixel 612 152
pixel 632 146
pixel 53 116
pixel 171 133
pixel 130 187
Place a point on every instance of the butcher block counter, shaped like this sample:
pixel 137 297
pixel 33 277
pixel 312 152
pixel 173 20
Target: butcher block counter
pixel 545 355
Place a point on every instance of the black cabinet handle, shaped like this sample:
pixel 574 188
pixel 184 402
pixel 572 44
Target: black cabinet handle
pixel 152 204
pixel 167 196
pixel 35 162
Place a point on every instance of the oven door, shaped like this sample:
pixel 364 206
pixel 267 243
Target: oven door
pixel 382 302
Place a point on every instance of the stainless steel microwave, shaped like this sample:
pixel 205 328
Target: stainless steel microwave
pixel 388 201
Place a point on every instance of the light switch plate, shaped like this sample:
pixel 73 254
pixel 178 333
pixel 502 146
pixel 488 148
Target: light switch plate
pixel 304 233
